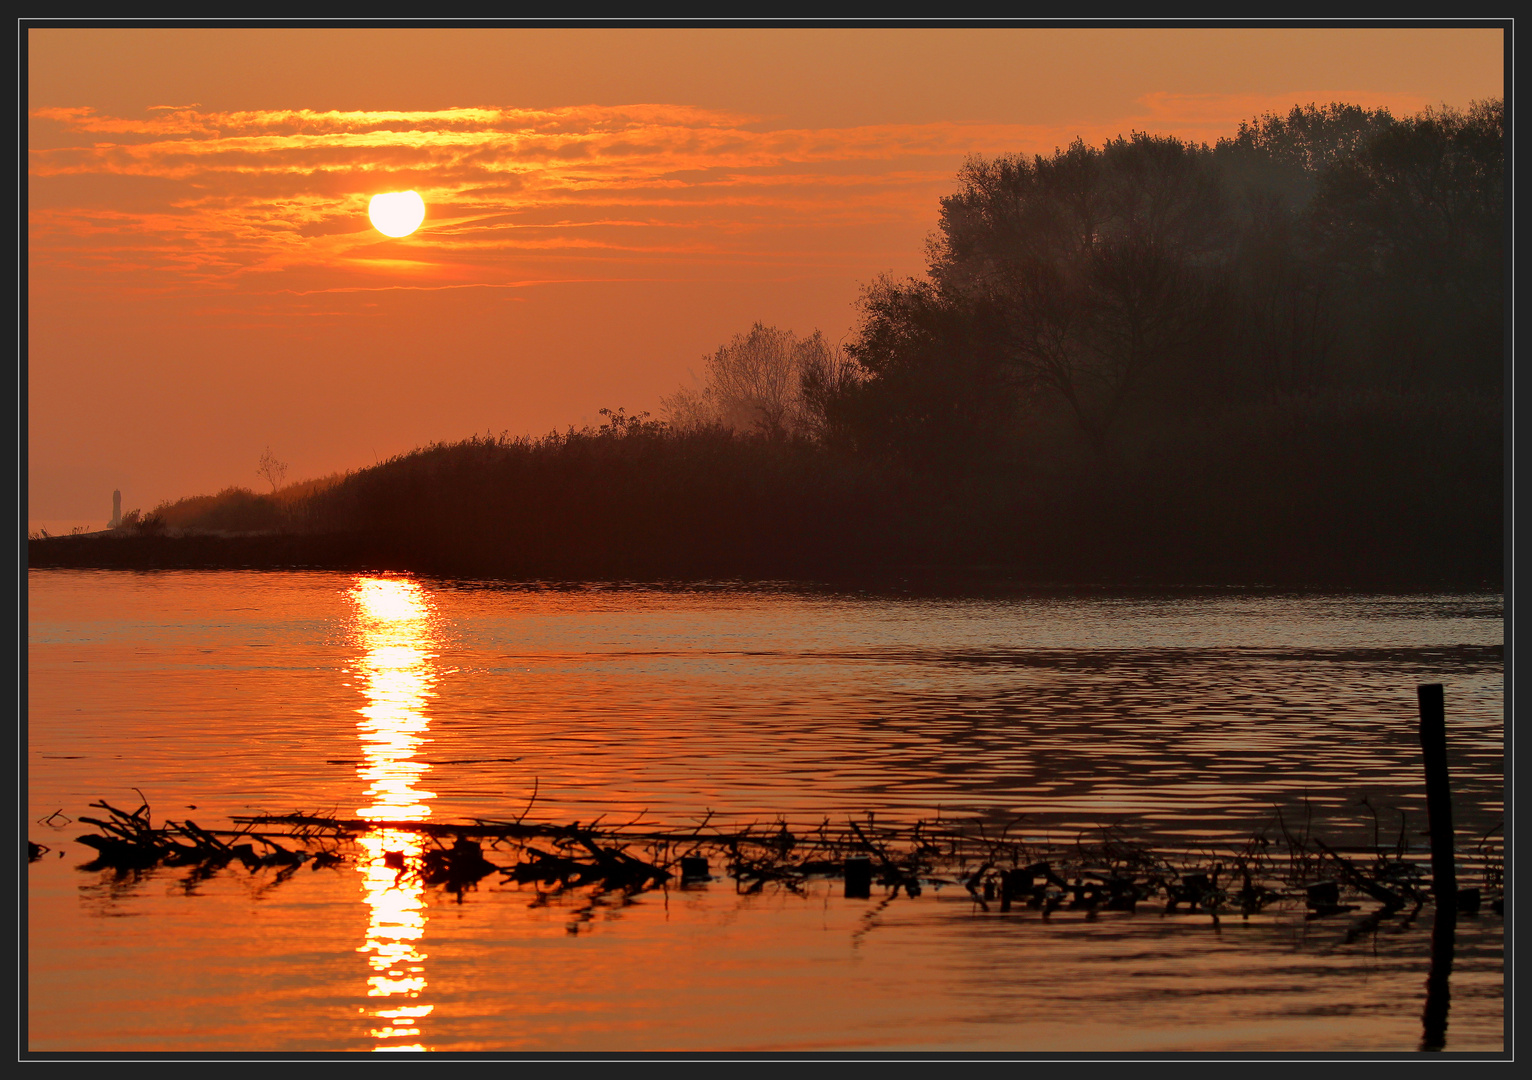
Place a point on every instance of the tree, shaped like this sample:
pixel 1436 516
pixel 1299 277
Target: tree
pixel 1413 226
pixel 1094 267
pixel 1281 156
pixel 765 381
pixel 933 384
pixel 825 373
pixel 1287 319
pixel 271 470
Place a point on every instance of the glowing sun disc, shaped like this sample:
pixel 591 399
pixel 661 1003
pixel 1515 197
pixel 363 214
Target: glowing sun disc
pixel 397 213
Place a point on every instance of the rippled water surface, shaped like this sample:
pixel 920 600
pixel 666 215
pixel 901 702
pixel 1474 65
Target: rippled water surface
pixel 1190 719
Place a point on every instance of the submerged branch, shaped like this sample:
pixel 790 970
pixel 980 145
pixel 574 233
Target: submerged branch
pixel 1114 874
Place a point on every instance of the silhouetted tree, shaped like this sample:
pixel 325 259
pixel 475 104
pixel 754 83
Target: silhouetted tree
pixel 1284 303
pixel 767 381
pixel 1081 275
pixel 1413 226
pixel 1280 156
pixel 271 470
pixel 937 389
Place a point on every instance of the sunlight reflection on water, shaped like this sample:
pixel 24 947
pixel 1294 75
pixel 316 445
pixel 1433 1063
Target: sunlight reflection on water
pixel 394 632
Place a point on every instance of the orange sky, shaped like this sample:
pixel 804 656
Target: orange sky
pixel 604 207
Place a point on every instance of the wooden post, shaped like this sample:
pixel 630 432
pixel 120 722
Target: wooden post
pixel 1433 744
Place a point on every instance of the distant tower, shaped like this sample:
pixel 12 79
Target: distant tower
pixel 116 510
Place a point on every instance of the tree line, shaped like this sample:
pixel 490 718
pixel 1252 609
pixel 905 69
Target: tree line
pixel 1152 281
pixel 1277 358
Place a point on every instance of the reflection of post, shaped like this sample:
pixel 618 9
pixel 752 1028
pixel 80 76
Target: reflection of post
pixel 1433 745
pixel 1438 993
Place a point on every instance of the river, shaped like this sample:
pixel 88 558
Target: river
pixel 1190 719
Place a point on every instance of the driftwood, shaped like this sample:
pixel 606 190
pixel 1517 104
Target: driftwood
pixel 1105 873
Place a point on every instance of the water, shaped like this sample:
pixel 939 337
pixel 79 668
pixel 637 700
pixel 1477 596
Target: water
pixel 1190 719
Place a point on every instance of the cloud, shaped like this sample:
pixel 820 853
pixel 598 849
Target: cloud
pixel 256 192
pixel 181 198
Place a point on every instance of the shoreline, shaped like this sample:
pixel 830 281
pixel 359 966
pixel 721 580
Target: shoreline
pixel 355 553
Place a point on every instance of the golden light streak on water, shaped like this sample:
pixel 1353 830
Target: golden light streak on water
pixel 395 632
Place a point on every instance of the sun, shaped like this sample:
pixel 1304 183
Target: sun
pixel 398 213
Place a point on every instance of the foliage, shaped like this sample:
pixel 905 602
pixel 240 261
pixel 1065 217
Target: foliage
pixel 1279 158
pixel 1413 227
pixel 766 381
pixel 1150 282
pixel 232 510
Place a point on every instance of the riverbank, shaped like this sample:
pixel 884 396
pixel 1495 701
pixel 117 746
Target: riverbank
pixel 203 551
pixel 369 554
